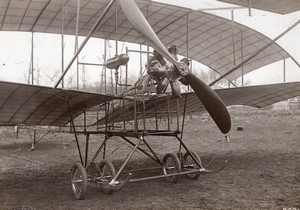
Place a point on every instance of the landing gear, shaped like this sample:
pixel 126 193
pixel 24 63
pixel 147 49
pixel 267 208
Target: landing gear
pixel 171 165
pixel 105 175
pixel 79 181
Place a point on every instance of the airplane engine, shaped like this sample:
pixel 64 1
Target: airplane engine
pixel 118 60
pixel 175 88
pixel 162 85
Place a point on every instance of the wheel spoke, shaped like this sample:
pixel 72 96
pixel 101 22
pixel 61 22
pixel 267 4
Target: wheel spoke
pixel 78 189
pixel 171 165
pixel 79 181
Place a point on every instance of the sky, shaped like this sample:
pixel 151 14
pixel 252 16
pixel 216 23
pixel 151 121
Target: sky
pixel 15 53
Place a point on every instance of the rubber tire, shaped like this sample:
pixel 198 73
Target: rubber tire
pixel 185 157
pixel 112 173
pixel 175 163
pixel 79 195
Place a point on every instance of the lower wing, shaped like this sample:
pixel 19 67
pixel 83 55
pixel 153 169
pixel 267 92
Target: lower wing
pixel 38 105
pixel 255 96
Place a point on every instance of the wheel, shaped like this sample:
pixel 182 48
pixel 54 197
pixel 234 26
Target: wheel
pixel 189 163
pixel 107 171
pixel 79 181
pixel 171 165
pixel 92 171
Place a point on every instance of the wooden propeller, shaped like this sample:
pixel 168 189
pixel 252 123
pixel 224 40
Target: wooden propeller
pixel 210 100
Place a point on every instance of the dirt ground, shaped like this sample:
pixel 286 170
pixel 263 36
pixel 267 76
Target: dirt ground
pixel 263 170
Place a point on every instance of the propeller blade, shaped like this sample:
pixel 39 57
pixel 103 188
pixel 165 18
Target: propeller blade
pixel 139 22
pixel 211 101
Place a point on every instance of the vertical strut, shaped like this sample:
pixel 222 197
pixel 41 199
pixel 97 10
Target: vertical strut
pixel 116 27
pixel 141 61
pixel 76 43
pixel 135 115
pixel 168 111
pixel 232 35
pixel 126 72
pixel 144 115
pixel 104 146
pixel 177 116
pixel 84 120
pixel 156 118
pixel 105 82
pixel 249 8
pixel 86 149
pixel 284 70
pixel 242 55
pixel 124 124
pixel 33 140
pixel 32 65
pixel 62 42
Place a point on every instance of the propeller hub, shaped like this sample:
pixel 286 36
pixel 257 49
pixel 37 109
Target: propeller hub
pixel 183 69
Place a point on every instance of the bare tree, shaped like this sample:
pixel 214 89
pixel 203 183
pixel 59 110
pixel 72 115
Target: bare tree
pixel 38 75
pixel 83 78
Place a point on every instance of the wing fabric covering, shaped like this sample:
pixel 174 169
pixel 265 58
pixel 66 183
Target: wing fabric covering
pixel 38 105
pixel 255 96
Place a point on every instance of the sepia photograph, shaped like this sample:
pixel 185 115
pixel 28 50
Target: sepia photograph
pixel 149 104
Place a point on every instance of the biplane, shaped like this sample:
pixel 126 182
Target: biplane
pixel 155 96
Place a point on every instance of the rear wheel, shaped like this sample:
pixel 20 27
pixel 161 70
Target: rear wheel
pixel 107 173
pixel 79 181
pixel 171 165
pixel 190 164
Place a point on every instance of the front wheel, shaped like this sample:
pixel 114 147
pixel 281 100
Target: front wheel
pixel 78 181
pixel 171 165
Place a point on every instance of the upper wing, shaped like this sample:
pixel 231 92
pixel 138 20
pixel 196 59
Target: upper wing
pixel 37 105
pixel 256 96
pixel 277 6
pixel 210 37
